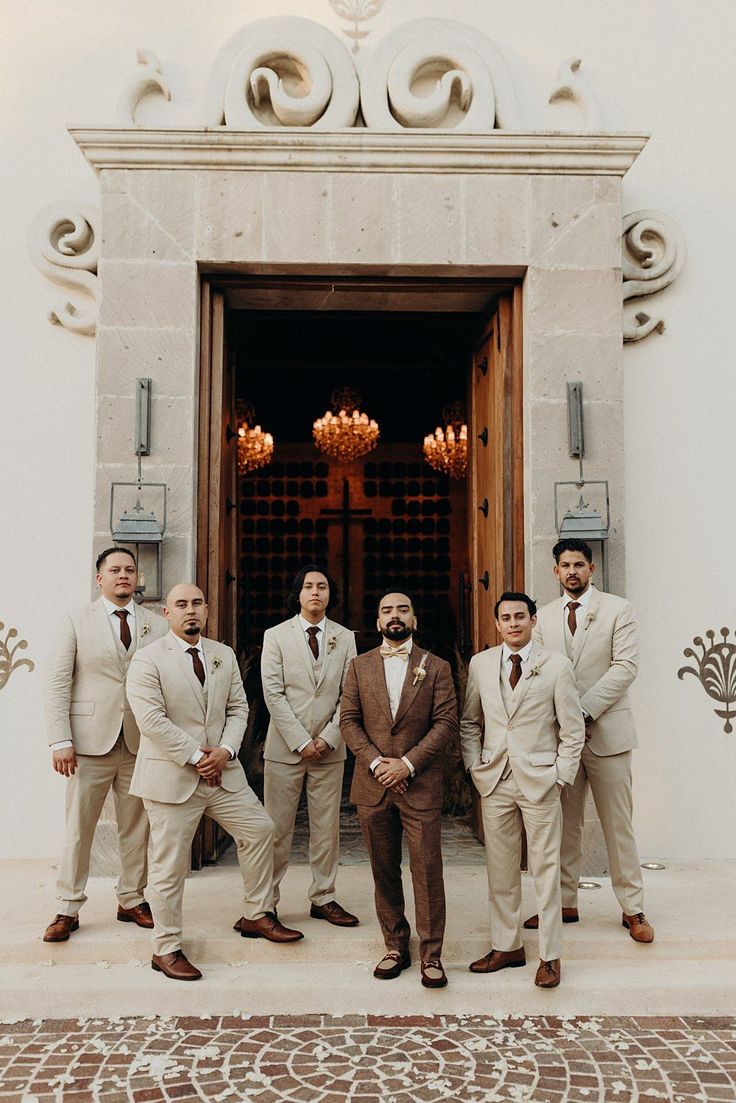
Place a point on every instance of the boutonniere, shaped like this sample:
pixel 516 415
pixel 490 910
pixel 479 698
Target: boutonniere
pixel 215 664
pixel 145 629
pixel 419 672
pixel 533 671
pixel 332 643
pixel 589 618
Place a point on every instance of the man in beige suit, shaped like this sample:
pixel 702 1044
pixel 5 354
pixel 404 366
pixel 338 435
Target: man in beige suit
pixel 598 632
pixel 303 667
pixel 521 735
pixel 188 698
pixel 94 738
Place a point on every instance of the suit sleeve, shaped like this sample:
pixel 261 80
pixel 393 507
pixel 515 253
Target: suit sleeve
pixel 471 724
pixel 351 722
pixel 58 684
pixel 331 731
pixel 236 709
pixel 623 669
pixel 149 708
pixel 537 633
pixel 571 724
pixel 290 727
pixel 444 721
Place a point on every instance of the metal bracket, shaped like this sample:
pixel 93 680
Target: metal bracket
pixel 483 437
pixel 485 580
pixel 143 417
pixel 483 507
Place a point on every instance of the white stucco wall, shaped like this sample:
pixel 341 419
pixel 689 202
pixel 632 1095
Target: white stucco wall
pixel 656 65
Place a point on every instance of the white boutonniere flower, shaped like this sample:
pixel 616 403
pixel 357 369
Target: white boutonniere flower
pixel 589 618
pixel 533 671
pixel 332 643
pixel 145 629
pixel 215 664
pixel 419 672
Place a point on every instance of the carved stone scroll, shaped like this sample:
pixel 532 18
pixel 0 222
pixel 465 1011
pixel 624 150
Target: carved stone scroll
pixel 431 73
pixel 63 243
pixel 653 255
pixel 569 85
pixel 147 78
pixel 283 72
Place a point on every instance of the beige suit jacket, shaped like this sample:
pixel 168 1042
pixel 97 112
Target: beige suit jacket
pixel 542 734
pixel 605 660
pixel 302 704
pixel 84 693
pixel 174 721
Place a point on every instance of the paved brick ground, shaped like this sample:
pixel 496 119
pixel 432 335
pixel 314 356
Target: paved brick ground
pixel 368 1059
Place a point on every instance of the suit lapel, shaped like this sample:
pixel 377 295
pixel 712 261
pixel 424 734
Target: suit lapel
pixel 495 678
pixel 379 678
pixel 301 647
pixel 329 631
pixel 184 662
pixel 211 675
pixel 583 630
pixel 520 692
pixel 99 613
pixel 412 684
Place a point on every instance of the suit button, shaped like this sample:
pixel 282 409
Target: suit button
pixel 510 727
pixel 122 708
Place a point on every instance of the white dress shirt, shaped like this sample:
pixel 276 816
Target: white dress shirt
pixel 394 670
pixel 115 623
pixel 320 638
pixel 506 664
pixel 185 646
pixel 583 601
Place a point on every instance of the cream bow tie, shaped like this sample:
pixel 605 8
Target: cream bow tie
pixel 389 652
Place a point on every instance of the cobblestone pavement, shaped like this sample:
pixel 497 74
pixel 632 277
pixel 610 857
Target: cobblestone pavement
pixel 369 1059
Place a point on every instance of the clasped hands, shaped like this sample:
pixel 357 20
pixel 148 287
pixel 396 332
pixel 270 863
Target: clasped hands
pixel 314 750
pixel 393 773
pixel 211 763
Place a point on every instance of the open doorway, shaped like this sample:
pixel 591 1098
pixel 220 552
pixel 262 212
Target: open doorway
pixel 410 349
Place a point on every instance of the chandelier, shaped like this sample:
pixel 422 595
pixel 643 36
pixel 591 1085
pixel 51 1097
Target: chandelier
pixel 446 449
pixel 255 448
pixel 344 432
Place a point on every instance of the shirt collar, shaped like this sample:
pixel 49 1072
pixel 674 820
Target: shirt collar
pixel 407 644
pixel 111 608
pixel 307 624
pixel 583 599
pixel 185 644
pixel 525 652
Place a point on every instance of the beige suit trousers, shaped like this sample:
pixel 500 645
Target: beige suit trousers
pixel 504 811
pixel 85 795
pixel 173 826
pixel 609 777
pixel 282 789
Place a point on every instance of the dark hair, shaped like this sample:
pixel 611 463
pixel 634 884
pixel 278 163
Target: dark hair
pixel 111 551
pixel 292 601
pixel 571 543
pixel 508 595
pixel 396 590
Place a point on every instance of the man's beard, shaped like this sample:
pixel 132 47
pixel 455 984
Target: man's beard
pixel 574 586
pixel 398 632
pixel 191 630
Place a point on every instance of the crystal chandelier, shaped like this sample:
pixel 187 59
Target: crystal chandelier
pixel 344 432
pixel 255 448
pixel 446 449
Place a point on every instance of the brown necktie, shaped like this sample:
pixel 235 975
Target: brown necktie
pixel 196 663
pixel 313 645
pixel 125 637
pixel 572 620
pixel 515 670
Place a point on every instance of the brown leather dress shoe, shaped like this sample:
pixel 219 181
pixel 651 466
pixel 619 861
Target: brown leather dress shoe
pixel 60 928
pixel 140 915
pixel 236 924
pixel 391 964
pixel 548 974
pixel 433 974
pixel 499 959
pixel 175 966
pixel 334 913
pixel 569 915
pixel 638 926
pixel 268 927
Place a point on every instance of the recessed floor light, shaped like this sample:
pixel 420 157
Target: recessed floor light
pixel 588 885
pixel 652 865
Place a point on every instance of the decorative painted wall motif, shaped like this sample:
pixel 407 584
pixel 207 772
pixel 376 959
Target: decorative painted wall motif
pixel 653 255
pixel 356 12
pixel 63 243
pixel 147 78
pixel 716 671
pixel 8 663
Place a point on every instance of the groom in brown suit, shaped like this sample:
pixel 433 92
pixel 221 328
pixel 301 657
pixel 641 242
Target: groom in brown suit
pixel 398 712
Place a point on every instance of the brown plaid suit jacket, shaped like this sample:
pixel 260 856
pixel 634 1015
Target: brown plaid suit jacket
pixel 426 720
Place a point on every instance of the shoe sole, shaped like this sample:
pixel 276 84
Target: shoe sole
pixel 434 983
pixel 334 922
pixel 390 974
pixel 277 941
pixel 129 919
pixel 535 926
pixel 555 985
pixel 64 937
pixel 157 969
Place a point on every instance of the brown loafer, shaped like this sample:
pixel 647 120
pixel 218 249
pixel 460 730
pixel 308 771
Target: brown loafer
pixel 638 926
pixel 60 928
pixel 499 959
pixel 175 966
pixel 391 964
pixel 569 915
pixel 140 915
pixel 268 927
pixel 548 974
pixel 334 913
pixel 433 974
